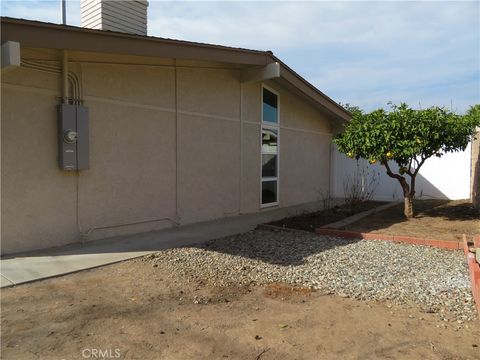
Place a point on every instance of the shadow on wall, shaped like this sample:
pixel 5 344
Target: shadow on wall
pixel 447 177
pixel 425 189
pixel 378 186
pixel 388 189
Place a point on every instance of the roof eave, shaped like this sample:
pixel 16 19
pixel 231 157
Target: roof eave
pixel 325 103
pixel 63 37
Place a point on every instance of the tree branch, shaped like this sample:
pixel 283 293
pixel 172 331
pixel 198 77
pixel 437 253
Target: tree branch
pixel 401 179
pixel 409 172
pixel 391 174
pixel 419 165
pixel 412 185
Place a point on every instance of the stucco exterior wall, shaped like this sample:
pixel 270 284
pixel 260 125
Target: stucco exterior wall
pixel 208 143
pixel 38 203
pixel 167 144
pixel 132 150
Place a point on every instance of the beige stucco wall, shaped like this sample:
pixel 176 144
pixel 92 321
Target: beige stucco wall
pixel 208 143
pixel 166 144
pixel 38 203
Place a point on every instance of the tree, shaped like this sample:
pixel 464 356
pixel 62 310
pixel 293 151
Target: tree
pixel 408 137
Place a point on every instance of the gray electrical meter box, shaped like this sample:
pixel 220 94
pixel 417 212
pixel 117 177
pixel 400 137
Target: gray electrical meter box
pixel 73 142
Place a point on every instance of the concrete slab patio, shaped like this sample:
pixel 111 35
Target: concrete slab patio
pixel 31 266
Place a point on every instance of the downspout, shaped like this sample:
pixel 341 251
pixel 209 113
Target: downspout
pixel 177 217
pixel 77 173
pixel 240 186
pixel 333 172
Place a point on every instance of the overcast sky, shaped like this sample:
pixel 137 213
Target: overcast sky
pixel 362 53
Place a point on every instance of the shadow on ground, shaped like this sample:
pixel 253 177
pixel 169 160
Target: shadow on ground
pixel 458 211
pixel 438 219
pixel 441 219
pixel 285 248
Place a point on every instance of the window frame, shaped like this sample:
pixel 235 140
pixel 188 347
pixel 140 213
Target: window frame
pixel 276 127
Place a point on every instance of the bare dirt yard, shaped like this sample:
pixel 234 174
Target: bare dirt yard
pixel 435 219
pixel 259 295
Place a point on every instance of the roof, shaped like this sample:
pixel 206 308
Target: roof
pixel 65 37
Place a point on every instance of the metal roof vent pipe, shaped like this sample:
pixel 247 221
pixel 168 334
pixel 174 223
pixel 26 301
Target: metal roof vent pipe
pixel 128 16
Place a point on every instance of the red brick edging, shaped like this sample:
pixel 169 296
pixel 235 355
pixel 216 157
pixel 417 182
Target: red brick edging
pixel 443 244
pixel 474 268
pixel 473 265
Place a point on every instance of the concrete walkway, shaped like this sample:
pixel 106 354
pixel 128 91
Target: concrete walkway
pixel 27 267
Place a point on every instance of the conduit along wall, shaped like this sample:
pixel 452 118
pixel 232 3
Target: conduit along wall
pixel 73 139
pixel 73 134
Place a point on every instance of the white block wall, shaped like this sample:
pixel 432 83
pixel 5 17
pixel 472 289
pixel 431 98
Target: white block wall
pixel 447 177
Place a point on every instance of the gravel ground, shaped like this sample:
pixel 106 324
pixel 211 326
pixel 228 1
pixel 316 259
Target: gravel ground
pixel 436 280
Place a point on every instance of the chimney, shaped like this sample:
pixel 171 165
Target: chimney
pixel 129 16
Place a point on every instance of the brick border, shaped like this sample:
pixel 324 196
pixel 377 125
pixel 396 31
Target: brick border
pixel 442 244
pixel 473 265
pixel 474 268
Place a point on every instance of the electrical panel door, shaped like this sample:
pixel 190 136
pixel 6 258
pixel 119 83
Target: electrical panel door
pixel 73 141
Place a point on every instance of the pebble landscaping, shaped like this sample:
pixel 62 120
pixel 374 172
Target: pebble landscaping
pixel 435 279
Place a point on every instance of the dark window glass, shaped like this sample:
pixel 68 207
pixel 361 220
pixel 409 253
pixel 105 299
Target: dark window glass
pixel 269 141
pixel 269 192
pixel 269 165
pixel 270 106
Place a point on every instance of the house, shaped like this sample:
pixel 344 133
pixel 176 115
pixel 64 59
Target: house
pixel 108 133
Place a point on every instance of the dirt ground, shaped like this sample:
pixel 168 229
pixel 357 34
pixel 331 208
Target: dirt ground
pixel 133 310
pixel 311 221
pixel 435 219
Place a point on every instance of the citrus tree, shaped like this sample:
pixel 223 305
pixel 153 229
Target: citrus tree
pixel 407 137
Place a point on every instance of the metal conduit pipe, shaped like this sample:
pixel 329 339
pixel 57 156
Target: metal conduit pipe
pixel 84 235
pixel 72 77
pixel 65 76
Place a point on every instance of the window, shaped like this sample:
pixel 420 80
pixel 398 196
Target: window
pixel 270 106
pixel 269 150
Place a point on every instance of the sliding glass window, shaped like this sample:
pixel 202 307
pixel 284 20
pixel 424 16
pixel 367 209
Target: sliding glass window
pixel 270 146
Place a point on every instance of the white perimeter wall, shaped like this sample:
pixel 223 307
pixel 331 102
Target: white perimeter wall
pixel 447 177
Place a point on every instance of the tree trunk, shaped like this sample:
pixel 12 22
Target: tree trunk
pixel 408 193
pixel 408 209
